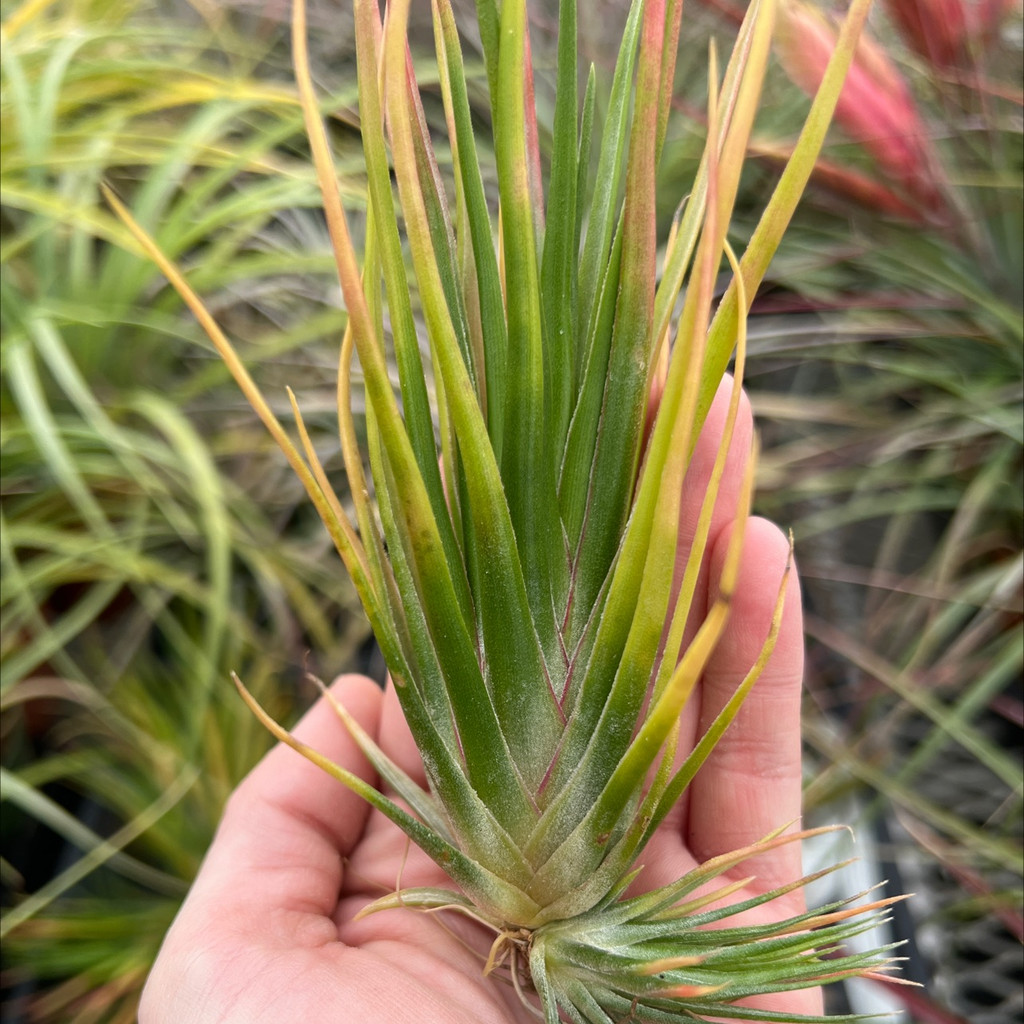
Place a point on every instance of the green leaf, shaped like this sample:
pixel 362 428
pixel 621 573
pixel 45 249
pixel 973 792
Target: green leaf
pixel 561 244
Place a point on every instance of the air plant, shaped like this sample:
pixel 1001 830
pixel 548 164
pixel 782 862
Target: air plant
pixel 876 107
pixel 517 561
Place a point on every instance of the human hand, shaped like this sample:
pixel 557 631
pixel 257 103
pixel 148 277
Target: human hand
pixel 268 931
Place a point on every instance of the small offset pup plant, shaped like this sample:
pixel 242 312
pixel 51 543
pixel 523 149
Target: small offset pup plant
pixel 517 561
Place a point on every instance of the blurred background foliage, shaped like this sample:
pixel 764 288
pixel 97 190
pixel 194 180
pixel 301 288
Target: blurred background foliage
pixel 151 541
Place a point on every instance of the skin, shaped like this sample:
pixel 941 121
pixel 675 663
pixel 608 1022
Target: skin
pixel 267 933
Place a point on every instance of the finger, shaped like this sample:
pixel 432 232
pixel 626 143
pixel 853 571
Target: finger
pixel 695 487
pixel 667 858
pixel 751 783
pixel 698 477
pixel 288 825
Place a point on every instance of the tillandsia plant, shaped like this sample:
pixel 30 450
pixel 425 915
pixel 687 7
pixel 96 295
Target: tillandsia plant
pixel 518 562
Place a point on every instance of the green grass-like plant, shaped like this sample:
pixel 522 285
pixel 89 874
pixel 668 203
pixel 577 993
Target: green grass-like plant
pixel 517 565
pixel 143 554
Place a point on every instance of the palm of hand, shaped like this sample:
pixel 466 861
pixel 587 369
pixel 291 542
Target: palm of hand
pixel 264 934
